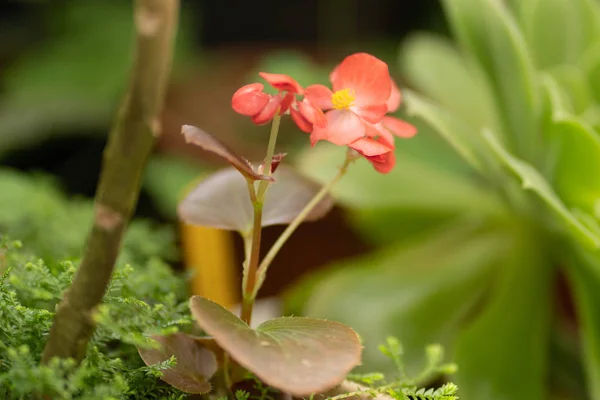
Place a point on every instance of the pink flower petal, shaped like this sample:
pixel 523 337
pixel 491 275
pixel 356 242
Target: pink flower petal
pixel 383 163
pixel 249 100
pixel 372 113
pixel 282 82
pixel 343 128
pixel 286 102
pixel 399 128
pixel 367 76
pixel 268 112
pixel 304 124
pixel 382 158
pixel 320 96
pixel 380 131
pixel 393 102
pixel 370 147
pixel 312 113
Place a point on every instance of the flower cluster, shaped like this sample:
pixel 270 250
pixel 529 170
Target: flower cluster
pixel 353 113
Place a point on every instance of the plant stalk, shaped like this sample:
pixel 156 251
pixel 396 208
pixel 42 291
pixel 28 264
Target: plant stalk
pixel 252 267
pixel 130 143
pixel 257 197
pixel 263 185
pixel 253 255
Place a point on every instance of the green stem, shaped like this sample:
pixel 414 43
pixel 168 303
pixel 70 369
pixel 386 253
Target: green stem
pixel 252 266
pixel 129 145
pixel 253 255
pixel 252 191
pixel 262 186
pixel 266 262
pixel 226 371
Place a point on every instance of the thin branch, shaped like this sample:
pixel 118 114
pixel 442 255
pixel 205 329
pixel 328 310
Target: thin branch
pixel 130 143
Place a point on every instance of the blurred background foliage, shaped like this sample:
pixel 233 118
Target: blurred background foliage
pixel 484 238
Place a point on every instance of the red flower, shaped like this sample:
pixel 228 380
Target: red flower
pixel 361 89
pixel 363 93
pixel 251 101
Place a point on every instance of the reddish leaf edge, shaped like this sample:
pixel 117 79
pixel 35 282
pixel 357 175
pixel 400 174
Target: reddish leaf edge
pixel 209 142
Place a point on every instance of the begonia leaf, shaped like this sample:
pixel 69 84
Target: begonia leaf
pixel 194 367
pixel 222 201
pixel 299 356
pixel 210 143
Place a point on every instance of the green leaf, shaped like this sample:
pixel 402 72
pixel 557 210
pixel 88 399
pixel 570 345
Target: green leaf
pixel 514 4
pixel 194 366
pixel 591 66
pixel 533 180
pixel 574 152
pixel 456 132
pixel 489 32
pixel 503 353
pixel 557 101
pixel 222 201
pixel 459 86
pixel 407 290
pixel 384 226
pixel 584 276
pixel 574 80
pixel 577 170
pixel 559 31
pixel 299 356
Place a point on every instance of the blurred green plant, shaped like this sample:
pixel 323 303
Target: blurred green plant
pixel 167 177
pixel 34 210
pixel 477 231
pixel 144 298
pixel 71 81
pixel 403 387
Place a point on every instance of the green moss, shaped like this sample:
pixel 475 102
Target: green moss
pixel 145 297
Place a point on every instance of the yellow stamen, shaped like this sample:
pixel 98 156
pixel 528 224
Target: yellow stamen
pixel 343 99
